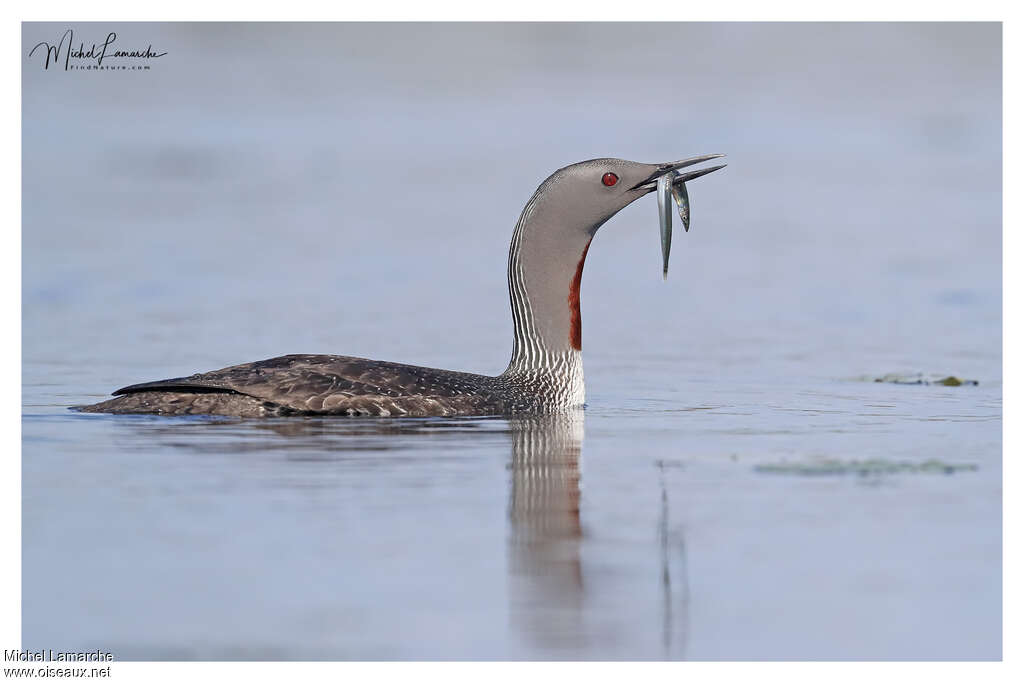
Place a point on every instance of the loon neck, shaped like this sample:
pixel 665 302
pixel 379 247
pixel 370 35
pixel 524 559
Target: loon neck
pixel 545 268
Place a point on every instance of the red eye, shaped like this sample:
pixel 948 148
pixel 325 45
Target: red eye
pixel 610 179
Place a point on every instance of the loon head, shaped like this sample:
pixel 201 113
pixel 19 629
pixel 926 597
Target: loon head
pixel 550 245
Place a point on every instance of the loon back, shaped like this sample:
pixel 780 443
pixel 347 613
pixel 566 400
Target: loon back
pixel 301 384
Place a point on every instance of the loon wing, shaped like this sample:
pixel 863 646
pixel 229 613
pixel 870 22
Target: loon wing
pixel 338 384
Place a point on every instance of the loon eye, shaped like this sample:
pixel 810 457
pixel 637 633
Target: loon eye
pixel 610 179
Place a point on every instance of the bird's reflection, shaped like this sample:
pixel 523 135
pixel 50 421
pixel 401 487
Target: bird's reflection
pixel 608 603
pixel 673 591
pixel 544 512
pixel 551 603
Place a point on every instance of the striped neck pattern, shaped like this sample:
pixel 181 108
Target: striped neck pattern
pixel 553 370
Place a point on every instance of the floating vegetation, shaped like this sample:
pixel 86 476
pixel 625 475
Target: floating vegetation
pixel 947 381
pixel 865 468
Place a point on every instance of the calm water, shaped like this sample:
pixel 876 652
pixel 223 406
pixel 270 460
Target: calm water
pixel 737 488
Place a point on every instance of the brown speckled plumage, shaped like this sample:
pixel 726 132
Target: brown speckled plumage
pixel 301 384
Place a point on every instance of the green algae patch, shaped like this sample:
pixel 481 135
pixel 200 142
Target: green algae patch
pixel 865 468
pixel 947 381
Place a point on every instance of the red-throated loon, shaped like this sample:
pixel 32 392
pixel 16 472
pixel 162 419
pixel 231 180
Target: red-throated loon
pixel 545 264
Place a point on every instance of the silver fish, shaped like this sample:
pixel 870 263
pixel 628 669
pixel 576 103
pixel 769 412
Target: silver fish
pixel 664 193
pixel 682 203
pixel 673 184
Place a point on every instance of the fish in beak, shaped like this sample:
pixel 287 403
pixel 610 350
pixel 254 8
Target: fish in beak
pixel 671 185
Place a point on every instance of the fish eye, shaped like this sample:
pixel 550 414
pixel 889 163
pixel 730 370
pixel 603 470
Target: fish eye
pixel 609 179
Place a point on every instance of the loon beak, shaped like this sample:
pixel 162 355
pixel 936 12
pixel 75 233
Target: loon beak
pixel 651 182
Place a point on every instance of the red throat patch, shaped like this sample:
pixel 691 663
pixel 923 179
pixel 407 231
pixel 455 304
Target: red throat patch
pixel 575 324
